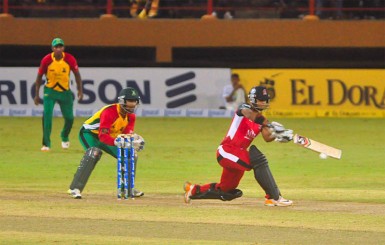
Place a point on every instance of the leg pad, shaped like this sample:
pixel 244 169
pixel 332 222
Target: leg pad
pixel 262 173
pixel 87 165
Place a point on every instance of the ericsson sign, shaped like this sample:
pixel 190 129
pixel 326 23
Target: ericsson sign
pixel 158 87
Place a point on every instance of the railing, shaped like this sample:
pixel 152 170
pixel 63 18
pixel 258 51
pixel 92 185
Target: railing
pixel 332 9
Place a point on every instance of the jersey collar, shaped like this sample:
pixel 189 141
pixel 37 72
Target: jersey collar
pixel 53 56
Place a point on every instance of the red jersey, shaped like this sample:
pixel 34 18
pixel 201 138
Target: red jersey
pixel 109 118
pixel 242 131
pixel 57 72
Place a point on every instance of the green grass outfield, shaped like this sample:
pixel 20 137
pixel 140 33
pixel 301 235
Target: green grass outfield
pixel 336 201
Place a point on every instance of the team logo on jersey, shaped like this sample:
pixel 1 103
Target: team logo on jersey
pixel 250 134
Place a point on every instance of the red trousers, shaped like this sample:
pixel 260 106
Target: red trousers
pixel 234 161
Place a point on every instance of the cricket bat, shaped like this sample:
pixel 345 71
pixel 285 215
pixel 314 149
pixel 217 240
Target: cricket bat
pixel 317 146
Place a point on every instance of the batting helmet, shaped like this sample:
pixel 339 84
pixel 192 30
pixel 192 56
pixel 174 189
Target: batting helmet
pixel 259 93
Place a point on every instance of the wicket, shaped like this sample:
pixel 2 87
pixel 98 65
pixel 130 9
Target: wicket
pixel 126 169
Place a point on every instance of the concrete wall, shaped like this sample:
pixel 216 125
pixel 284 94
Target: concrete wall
pixel 164 35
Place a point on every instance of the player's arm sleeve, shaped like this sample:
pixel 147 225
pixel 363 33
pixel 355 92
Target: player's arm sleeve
pixel 131 124
pixel 44 65
pixel 240 111
pixel 70 59
pixel 106 120
pixel 261 120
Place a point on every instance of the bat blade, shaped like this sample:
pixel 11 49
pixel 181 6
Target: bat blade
pixel 317 146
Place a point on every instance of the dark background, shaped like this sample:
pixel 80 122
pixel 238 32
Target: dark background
pixel 235 57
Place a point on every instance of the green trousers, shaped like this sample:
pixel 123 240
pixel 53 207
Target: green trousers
pixel 89 139
pixel 65 100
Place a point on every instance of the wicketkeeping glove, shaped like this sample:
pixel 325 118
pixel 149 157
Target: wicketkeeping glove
pixel 122 141
pixel 138 142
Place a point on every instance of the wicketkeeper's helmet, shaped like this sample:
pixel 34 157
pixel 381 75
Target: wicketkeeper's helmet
pixel 259 93
pixel 128 94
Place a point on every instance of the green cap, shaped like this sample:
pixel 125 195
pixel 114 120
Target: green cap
pixel 57 41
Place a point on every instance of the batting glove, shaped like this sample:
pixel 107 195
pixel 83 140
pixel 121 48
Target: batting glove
pixel 284 136
pixel 276 127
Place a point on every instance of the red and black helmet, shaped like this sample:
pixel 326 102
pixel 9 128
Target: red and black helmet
pixel 259 98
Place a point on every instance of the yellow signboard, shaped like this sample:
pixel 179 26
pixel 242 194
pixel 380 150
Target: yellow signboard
pixel 320 92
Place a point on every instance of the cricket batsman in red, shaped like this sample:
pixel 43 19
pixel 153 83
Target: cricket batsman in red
pixel 235 155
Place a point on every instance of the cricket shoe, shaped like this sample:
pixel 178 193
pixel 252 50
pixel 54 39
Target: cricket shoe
pixel 75 193
pixel 65 145
pixel 45 148
pixel 188 188
pixel 138 193
pixel 281 202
